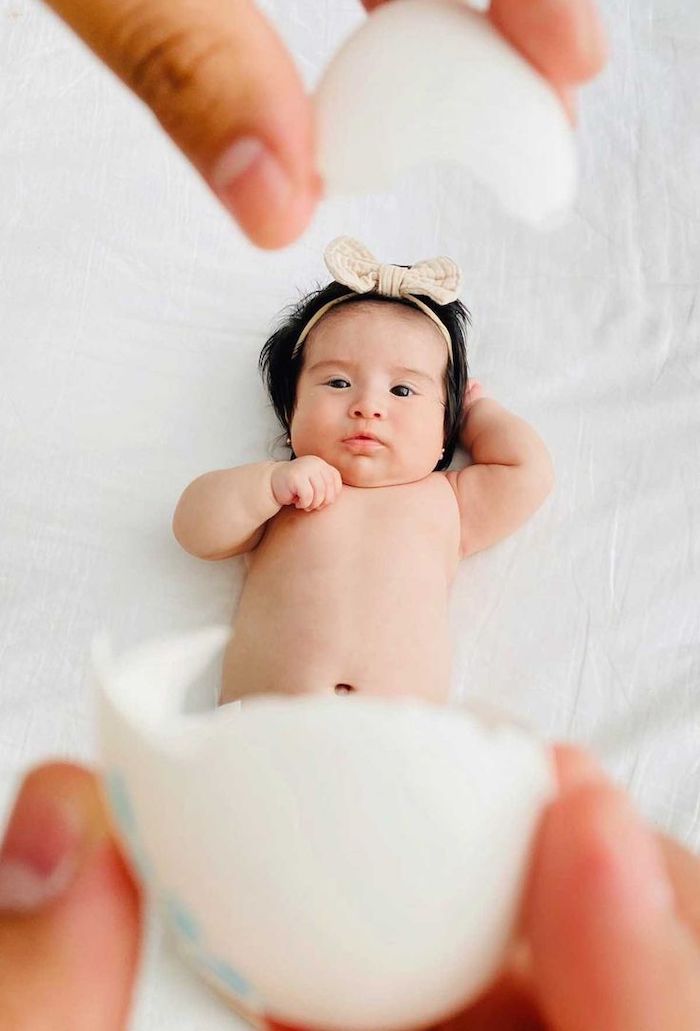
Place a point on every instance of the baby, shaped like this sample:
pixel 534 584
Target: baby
pixel 352 544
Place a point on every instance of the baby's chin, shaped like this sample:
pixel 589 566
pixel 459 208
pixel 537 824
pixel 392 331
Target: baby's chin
pixel 365 473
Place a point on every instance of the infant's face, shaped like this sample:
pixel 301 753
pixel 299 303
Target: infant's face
pixel 374 368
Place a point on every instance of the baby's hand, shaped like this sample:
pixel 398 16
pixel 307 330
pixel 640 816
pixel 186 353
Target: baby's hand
pixel 473 394
pixel 306 482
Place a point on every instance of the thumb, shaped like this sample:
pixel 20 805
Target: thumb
pixel 224 87
pixel 69 913
pixel 608 949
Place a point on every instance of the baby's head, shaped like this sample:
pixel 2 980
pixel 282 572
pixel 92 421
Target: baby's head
pixel 371 364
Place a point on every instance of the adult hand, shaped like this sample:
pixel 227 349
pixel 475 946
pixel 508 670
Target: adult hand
pixel 222 84
pixel 69 911
pixel 603 949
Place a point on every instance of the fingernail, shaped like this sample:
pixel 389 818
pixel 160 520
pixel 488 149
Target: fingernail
pixel 39 854
pixel 249 171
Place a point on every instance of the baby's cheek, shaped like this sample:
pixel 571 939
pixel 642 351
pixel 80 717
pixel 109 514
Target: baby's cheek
pixel 426 431
pixel 311 420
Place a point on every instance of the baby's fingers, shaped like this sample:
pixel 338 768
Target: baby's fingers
pixel 318 492
pixel 305 493
pixel 333 483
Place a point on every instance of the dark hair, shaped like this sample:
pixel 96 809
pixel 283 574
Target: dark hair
pixel 281 372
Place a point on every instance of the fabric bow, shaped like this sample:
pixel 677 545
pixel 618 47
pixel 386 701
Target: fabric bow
pixel 352 264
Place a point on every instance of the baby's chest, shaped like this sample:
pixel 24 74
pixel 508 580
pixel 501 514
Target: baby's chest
pixel 392 530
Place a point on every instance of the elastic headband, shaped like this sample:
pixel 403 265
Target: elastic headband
pixel 353 265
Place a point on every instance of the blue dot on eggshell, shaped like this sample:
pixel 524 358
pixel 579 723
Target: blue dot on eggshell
pixel 121 803
pixel 182 919
pixel 230 978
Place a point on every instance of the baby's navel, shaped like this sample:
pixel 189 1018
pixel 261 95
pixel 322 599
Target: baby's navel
pixel 343 688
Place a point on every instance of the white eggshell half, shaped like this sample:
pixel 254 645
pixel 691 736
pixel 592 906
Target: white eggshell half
pixel 333 861
pixel 432 80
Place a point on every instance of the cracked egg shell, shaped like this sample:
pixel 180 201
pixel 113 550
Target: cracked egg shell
pixel 331 861
pixel 432 80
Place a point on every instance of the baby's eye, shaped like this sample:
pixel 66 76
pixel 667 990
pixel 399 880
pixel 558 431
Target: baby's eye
pixel 338 379
pixel 403 386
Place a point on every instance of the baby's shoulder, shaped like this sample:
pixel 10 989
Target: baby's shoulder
pixel 441 488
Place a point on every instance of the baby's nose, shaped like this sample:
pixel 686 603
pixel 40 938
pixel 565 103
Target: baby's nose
pixel 369 407
pixel 368 412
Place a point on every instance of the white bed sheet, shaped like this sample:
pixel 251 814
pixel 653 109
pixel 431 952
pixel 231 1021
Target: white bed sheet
pixel 132 311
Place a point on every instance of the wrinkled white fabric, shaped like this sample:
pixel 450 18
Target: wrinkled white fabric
pixel 132 312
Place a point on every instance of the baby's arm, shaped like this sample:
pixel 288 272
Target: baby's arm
pixel 511 476
pixel 223 513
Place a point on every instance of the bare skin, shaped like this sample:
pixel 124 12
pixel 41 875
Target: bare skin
pixel 349 571
pixel 352 594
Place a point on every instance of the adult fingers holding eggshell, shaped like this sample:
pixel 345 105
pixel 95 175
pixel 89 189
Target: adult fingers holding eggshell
pixel 612 916
pixel 496 102
pixel 224 87
pixel 600 947
pixel 610 924
pixel 566 42
pixel 609 945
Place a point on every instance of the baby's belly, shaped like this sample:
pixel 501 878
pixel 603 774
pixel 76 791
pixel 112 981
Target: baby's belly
pixel 291 660
pixel 317 648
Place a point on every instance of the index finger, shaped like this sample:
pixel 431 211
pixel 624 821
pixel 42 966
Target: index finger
pixel 221 82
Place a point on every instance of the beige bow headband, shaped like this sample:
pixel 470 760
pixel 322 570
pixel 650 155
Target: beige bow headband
pixel 352 264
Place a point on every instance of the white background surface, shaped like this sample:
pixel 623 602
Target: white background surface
pixel 132 312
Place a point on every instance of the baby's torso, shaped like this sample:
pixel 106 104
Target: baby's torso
pixel 356 594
